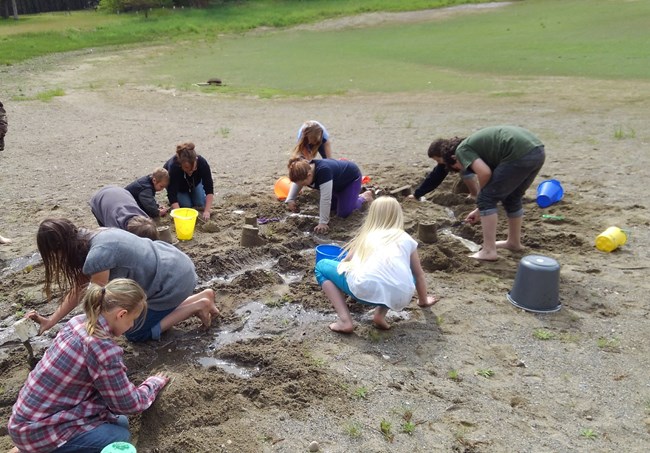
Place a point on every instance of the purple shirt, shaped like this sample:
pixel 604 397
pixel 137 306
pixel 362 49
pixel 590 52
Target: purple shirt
pixel 79 384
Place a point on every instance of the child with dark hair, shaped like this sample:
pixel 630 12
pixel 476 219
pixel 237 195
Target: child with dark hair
pixel 115 207
pixel 78 395
pixel 144 192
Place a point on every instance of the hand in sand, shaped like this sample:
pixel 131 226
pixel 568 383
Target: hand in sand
pixel 431 300
pixel 321 228
pixel 293 206
pixel 163 376
pixel 473 217
pixel 4 240
pixel 44 322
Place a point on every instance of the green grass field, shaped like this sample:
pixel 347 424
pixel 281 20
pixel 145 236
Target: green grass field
pixel 601 39
pixel 598 39
pixel 35 35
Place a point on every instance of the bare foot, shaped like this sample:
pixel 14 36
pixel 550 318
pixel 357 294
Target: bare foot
pixel 206 318
pixel 380 322
pixel 509 246
pixel 341 327
pixel 4 240
pixel 431 300
pixel 484 256
pixel 368 196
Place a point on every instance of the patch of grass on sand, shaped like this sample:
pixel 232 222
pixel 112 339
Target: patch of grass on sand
pixel 45 96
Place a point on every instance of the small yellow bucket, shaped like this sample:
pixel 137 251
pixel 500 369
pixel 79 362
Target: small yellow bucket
pixel 184 222
pixel 611 239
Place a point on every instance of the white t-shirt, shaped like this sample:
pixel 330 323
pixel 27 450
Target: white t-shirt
pixel 385 277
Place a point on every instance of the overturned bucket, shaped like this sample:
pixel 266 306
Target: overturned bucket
pixel 611 239
pixel 549 192
pixel 184 222
pixel 537 285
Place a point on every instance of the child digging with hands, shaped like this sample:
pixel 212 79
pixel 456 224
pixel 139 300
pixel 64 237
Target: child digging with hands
pixel 78 396
pixel 382 268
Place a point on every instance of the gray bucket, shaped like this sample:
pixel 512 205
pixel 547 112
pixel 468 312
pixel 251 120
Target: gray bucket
pixel 537 285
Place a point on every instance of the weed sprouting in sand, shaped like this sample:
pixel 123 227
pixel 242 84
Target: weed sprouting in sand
pixel 620 133
pixel 374 336
pixel 408 427
pixel 353 429
pixel 543 334
pixel 609 344
pixel 224 131
pixel 276 303
pixel 485 372
pixel 361 393
pixel 453 375
pixel 589 433
pixel 385 427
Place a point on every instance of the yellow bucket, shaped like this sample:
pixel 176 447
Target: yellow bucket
pixel 610 239
pixel 184 221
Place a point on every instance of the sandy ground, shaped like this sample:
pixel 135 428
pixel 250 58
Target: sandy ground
pixel 269 375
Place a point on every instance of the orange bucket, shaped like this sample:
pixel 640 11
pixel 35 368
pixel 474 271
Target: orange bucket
pixel 282 187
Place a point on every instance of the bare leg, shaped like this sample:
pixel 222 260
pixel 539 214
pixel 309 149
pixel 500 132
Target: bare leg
pixel 336 297
pixel 380 318
pixel 513 242
pixel 489 250
pixel 201 305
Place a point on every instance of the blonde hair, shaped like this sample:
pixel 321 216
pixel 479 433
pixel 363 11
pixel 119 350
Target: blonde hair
pixel 299 169
pixel 311 132
pixel 119 293
pixel 160 174
pixel 384 216
pixel 144 227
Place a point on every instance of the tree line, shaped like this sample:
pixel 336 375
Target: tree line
pixel 14 8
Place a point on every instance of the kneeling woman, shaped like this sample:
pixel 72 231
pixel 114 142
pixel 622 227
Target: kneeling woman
pixel 190 180
pixel 339 183
pixel 74 257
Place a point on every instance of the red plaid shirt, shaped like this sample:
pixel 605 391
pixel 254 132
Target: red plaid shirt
pixel 79 384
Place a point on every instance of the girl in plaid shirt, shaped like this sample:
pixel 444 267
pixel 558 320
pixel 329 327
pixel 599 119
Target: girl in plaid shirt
pixel 77 397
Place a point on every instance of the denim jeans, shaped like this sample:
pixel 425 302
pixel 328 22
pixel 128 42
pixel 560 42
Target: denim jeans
pixel 94 441
pixel 194 198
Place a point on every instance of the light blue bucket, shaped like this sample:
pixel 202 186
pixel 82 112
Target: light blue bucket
pixel 329 252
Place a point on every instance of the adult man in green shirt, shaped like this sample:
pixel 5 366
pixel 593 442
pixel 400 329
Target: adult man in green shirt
pixel 506 160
